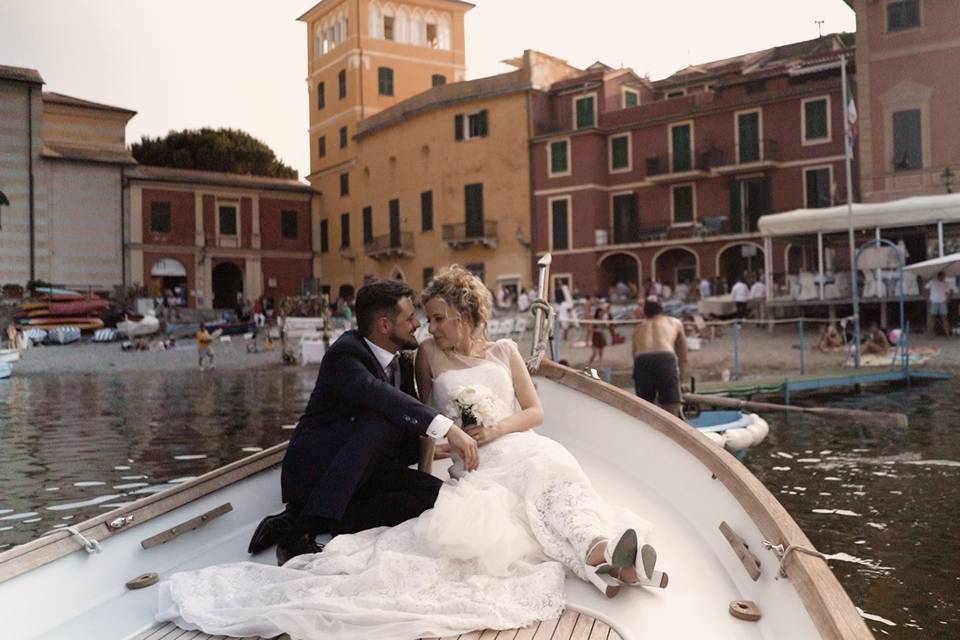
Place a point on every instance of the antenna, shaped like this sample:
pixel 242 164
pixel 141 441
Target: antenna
pixel 819 27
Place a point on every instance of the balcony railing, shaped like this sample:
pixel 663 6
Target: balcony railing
pixel 390 245
pixel 461 234
pixel 735 158
pixel 670 164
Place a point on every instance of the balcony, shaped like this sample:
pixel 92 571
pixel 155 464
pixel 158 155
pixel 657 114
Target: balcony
pixel 668 168
pixel 394 245
pixel 462 235
pixel 736 159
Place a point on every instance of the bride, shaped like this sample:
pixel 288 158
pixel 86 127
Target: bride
pixel 492 553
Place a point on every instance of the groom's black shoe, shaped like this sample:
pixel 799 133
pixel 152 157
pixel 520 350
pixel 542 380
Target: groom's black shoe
pixel 270 531
pixel 296 546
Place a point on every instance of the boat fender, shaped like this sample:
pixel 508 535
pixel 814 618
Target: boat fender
pixel 737 439
pixel 143 581
pixel 745 610
pixel 758 429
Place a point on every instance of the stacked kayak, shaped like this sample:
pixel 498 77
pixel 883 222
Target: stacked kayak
pixel 59 308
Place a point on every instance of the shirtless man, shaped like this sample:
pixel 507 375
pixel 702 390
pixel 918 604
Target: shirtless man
pixel 659 345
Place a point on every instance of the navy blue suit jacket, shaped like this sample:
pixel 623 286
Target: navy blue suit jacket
pixel 320 471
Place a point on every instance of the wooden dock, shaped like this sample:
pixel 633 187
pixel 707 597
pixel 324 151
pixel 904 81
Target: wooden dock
pixel 570 626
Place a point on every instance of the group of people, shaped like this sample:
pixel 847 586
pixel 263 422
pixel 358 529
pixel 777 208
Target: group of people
pixel 490 549
pixel 509 297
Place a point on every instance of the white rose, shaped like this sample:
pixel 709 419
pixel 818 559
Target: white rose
pixel 468 395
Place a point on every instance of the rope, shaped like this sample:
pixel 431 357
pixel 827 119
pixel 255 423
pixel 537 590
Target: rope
pixel 783 554
pixel 90 546
pixel 541 349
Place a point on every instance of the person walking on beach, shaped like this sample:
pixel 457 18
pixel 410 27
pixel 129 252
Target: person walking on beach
pixel 204 350
pixel 939 295
pixel 659 358
pixel 597 339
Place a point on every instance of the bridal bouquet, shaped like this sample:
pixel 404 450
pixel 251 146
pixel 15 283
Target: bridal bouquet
pixel 475 404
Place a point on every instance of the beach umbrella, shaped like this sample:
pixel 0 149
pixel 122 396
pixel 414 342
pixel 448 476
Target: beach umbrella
pixel 928 269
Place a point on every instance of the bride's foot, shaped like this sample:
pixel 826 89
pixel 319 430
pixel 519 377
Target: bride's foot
pixel 605 564
pixel 643 572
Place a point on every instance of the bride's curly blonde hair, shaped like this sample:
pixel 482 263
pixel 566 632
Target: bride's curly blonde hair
pixel 463 292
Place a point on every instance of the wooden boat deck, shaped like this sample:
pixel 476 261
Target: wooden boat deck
pixel 570 626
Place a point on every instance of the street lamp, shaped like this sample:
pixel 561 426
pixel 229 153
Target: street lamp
pixel 946 177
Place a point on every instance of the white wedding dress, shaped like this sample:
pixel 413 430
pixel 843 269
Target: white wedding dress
pixel 492 553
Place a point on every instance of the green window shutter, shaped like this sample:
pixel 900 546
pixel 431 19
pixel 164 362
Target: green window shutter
pixel 620 152
pixel 682 204
pixel 736 211
pixel 345 230
pixel 385 81
pixel 458 126
pixel 324 236
pixel 749 127
pixel 426 211
pixel 760 203
pixel 367 225
pixel 903 15
pixel 585 112
pixel 681 160
pixel 484 123
pixel 631 99
pixel 473 208
pixel 321 96
pixel 559 162
pixel 907 145
pixel 288 224
pixel 561 231
pixel 815 119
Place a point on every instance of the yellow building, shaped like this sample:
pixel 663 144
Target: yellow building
pixel 417 168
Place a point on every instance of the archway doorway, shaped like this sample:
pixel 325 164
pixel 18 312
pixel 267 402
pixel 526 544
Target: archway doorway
pixel 168 278
pixel 676 265
pixel 616 268
pixel 740 260
pixel 227 285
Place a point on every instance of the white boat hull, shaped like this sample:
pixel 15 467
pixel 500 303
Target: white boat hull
pixel 136 328
pixel 685 491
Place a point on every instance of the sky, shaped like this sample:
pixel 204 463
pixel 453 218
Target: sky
pixel 242 63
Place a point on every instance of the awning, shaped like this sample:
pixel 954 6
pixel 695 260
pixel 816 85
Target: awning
pixel 928 269
pixel 168 268
pixel 908 212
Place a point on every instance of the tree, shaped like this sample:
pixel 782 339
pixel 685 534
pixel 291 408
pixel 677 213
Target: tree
pixel 226 150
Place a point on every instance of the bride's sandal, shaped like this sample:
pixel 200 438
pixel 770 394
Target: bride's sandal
pixel 599 575
pixel 647 576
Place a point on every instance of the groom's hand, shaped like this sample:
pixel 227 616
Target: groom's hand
pixel 466 445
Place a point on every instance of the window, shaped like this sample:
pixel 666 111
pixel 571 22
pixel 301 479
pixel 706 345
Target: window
pixel 559 224
pixel 907 145
pixel 817 187
pixel 816 120
pixel 681 149
pixel 683 206
pixel 626 218
pixel 343 137
pixel 473 125
pixel 433 41
pixel 288 224
pixel 394 209
pixel 473 208
pixel 228 220
pixel 426 211
pixel 748 137
pixel 322 146
pixel 620 153
pixel 344 230
pixel 631 98
pixel 388 22
pixel 679 93
pixel 903 14
pixel 342 82
pixel 560 158
pixel 160 217
pixel 344 184
pixel 324 236
pixel 385 81
pixel 749 200
pixel 427 276
pixel 585 112
pixel 367 225
pixel 321 97
pixel 438 79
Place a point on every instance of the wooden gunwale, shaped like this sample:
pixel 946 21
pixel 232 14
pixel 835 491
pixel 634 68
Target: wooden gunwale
pixel 827 603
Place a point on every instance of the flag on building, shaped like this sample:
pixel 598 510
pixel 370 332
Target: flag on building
pixel 852 119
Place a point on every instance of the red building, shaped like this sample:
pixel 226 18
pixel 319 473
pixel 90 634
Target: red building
pixel 216 237
pixel 637 180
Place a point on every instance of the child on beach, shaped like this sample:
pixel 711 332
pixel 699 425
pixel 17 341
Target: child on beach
pixel 204 350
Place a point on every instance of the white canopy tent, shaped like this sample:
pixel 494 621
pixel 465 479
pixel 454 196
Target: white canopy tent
pixel 950 265
pixel 908 212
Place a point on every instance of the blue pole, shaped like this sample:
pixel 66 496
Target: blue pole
pixel 802 367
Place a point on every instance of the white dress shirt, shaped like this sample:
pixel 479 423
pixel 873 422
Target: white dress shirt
pixel 440 424
pixel 740 292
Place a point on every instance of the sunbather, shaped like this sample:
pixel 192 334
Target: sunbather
pixel 830 339
pixel 876 341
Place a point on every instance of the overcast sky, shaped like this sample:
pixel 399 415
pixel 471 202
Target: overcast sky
pixel 242 63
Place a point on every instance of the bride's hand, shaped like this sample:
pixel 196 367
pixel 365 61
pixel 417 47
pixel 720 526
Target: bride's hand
pixel 483 435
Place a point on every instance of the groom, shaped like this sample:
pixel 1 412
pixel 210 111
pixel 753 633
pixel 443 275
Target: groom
pixel 347 467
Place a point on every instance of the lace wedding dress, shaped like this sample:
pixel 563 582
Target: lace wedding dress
pixel 492 553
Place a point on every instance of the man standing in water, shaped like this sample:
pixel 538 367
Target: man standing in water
pixel 204 350
pixel 659 358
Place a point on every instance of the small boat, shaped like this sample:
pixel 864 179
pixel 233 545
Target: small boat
pixel 5 370
pixel 50 321
pixel 9 355
pixel 105 335
pixel 735 430
pixel 135 326
pixel 63 335
pixel 51 292
pixel 232 328
pixel 78 307
pixel 36 335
